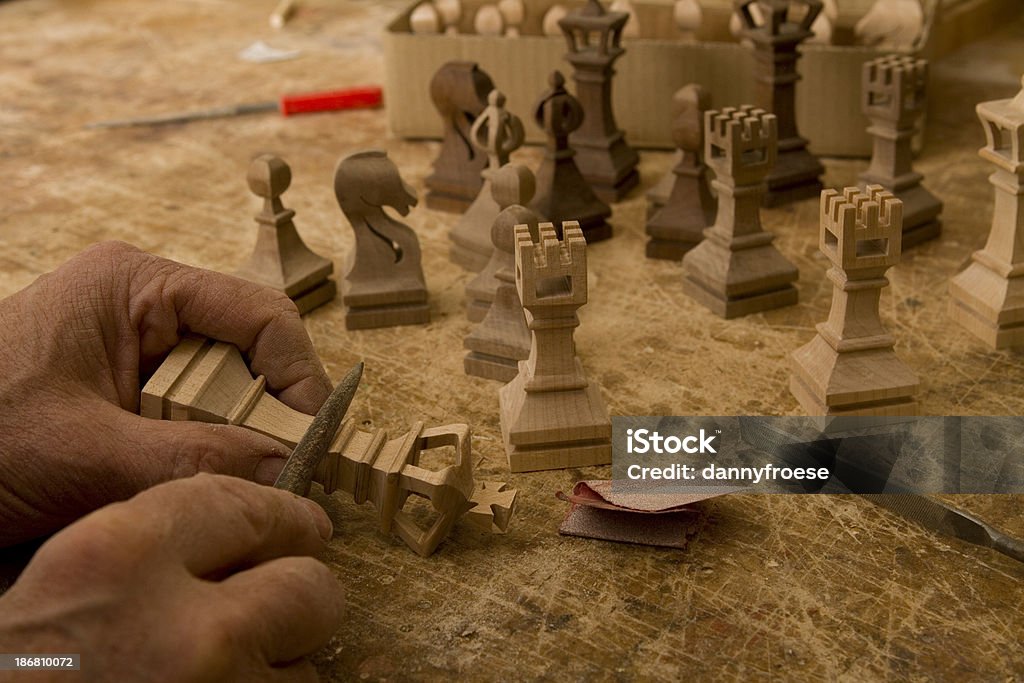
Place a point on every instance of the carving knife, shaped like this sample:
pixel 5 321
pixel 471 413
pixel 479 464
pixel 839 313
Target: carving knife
pixel 298 471
pixel 947 520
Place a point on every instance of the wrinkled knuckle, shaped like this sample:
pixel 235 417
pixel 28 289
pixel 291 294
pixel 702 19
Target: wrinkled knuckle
pixel 256 508
pixel 104 542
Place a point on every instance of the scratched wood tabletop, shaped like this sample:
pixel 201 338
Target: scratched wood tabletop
pixel 772 587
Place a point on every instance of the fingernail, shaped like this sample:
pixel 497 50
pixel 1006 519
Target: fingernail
pixel 320 518
pixel 268 469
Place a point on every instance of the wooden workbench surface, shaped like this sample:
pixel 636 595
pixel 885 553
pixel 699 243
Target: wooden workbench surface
pixel 772 587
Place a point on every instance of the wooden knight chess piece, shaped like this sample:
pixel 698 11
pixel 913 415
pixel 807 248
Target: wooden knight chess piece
pixel 459 92
pixel 679 225
pixel 562 192
pixel 281 259
pixel 850 368
pixel 384 284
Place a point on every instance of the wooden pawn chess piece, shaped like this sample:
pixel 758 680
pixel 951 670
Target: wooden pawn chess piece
pixel 988 296
pixel 594 37
pixel 497 133
pixel 850 368
pixel 459 92
pixel 511 185
pixel 502 338
pixel 894 99
pixel 384 284
pixel 679 225
pixel 797 173
pixel 562 192
pixel 281 259
pixel 736 270
pixel 552 416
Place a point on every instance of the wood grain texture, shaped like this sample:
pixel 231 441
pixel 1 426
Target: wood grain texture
pixel 772 587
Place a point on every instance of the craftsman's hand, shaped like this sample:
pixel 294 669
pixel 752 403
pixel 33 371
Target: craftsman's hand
pixel 203 579
pixel 73 346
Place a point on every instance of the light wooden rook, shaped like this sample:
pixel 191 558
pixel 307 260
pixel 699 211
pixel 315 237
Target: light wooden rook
pixel 552 417
pixel 850 367
pixel 988 296
pixel 737 270
pixel 281 259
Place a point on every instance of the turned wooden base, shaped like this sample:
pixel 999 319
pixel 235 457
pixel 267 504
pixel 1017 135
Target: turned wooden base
pixel 741 282
pixel 668 250
pixel 450 203
pixel 370 317
pixel 989 306
pixel 611 193
pixel 921 233
pixel 490 367
pixel 315 297
pixel 796 176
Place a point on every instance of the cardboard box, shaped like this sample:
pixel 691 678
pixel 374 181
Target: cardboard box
pixel 659 63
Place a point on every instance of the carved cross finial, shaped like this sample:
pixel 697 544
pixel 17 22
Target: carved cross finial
pixel 497 131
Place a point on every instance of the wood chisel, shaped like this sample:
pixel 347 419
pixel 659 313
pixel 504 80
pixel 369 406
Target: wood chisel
pixel 298 471
pixel 367 97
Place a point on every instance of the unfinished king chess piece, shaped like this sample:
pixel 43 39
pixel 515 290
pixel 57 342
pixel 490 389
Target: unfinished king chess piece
pixel 894 99
pixel 988 296
pixel 552 417
pixel 679 224
pixel 281 260
pixel 604 158
pixel 459 92
pixel 737 270
pixel 797 173
pixel 502 338
pixel 562 192
pixel 384 284
pixel 850 367
pixel 497 133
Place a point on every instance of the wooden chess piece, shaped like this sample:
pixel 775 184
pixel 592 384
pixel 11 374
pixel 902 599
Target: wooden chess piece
pixel 425 20
pixel 488 21
pixel 497 133
pixel 797 173
pixel 604 158
pixel 459 92
pixel 736 270
pixel 511 185
pixel 562 192
pixel 384 284
pixel 632 28
pixel 894 100
pixel 552 417
pixel 502 338
pixel 281 259
pixel 891 25
pixel 679 225
pixel 550 24
pixel 450 12
pixel 988 296
pixel 513 12
pixel 850 368
pixel 209 381
pixel 688 17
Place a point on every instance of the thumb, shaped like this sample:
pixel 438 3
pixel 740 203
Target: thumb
pixel 160 450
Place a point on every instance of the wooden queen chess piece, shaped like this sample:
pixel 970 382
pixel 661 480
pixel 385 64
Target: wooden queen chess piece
pixel 679 224
pixel 797 172
pixel 552 417
pixel 988 296
pixel 562 192
pixel 736 270
pixel 894 99
pixel 497 133
pixel 459 92
pixel 594 37
pixel 384 284
pixel 850 367
pixel 281 260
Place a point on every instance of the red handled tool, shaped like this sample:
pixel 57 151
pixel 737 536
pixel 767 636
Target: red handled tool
pixel 367 97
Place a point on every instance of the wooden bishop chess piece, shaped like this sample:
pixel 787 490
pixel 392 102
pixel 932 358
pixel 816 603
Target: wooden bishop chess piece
pixel 281 259
pixel 552 417
pixel 988 296
pixel 497 133
pixel 209 381
pixel 384 284
pixel 850 368
pixel 502 338
pixel 562 192
pixel 736 270
pixel 459 92
pixel 797 172
pixel 604 158
pixel 894 99
pixel 512 185
pixel 679 225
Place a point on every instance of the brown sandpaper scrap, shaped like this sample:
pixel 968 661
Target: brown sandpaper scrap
pixel 633 514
